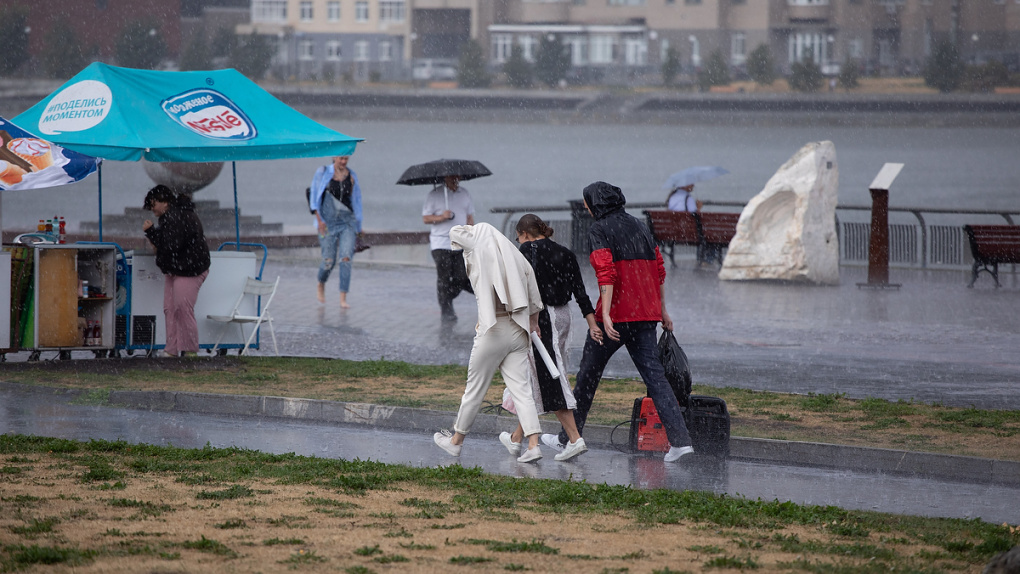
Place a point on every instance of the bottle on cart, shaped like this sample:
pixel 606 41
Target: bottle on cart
pixel 41 228
pixel 97 334
pixel 49 226
pixel 86 339
pixel 62 230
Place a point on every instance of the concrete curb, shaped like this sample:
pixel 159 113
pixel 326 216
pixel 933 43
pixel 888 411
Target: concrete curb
pixel 886 461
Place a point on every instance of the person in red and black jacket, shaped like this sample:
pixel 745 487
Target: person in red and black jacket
pixel 631 274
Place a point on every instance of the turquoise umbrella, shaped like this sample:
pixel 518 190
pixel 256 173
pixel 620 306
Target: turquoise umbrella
pixel 205 116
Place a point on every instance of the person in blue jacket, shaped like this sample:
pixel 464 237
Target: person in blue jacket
pixel 335 200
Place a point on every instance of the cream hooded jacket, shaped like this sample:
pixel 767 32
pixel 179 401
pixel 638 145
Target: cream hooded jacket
pixel 500 276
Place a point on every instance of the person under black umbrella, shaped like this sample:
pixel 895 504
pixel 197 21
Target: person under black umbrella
pixel 447 205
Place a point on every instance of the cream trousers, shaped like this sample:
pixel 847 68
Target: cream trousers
pixel 505 347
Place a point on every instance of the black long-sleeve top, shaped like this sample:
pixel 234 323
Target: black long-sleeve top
pixel 179 240
pixel 557 274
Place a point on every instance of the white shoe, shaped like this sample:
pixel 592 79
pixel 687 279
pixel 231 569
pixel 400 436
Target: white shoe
pixel 513 447
pixel 444 441
pixel 552 441
pixel 675 452
pixel 573 449
pixel 530 455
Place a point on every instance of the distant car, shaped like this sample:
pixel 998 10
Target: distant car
pixel 434 70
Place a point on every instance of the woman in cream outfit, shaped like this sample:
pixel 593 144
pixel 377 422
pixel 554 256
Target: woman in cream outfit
pixel 508 306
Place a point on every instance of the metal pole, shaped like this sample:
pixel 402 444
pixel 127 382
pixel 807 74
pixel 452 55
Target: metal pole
pixel 237 214
pixel 99 174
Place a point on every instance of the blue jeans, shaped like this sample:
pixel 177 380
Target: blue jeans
pixel 338 246
pixel 640 340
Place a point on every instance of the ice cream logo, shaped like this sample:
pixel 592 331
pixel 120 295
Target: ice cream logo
pixel 76 108
pixel 210 114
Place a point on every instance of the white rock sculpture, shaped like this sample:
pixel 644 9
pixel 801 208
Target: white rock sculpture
pixel 788 231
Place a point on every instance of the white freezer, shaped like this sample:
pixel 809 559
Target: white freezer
pixel 217 296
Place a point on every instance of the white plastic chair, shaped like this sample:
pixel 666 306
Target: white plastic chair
pixel 252 288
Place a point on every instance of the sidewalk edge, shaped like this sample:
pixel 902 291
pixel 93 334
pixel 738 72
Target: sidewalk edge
pixel 886 461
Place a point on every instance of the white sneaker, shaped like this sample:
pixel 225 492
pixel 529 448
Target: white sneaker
pixel 573 449
pixel 552 441
pixel 443 440
pixel 675 452
pixel 513 447
pixel 530 455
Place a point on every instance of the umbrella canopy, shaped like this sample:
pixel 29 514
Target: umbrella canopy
pixel 693 175
pixel 30 162
pixel 125 114
pixel 435 172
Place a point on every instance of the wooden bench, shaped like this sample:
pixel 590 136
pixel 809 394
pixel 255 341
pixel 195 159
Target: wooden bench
pixel 991 245
pixel 711 232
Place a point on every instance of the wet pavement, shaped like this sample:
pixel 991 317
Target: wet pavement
pixel 43 414
pixel 933 341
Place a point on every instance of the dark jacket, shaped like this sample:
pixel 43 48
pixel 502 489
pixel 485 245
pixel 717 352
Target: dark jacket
pixel 557 274
pixel 179 240
pixel 625 256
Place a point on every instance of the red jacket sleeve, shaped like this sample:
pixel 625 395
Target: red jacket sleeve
pixel 661 265
pixel 602 262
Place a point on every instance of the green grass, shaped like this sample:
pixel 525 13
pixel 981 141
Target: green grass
pixel 36 526
pixel 235 491
pixel 756 523
pixel 16 556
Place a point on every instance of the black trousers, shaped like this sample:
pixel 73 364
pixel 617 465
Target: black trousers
pixel 451 277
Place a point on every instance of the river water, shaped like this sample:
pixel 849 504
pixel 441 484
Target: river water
pixel 549 164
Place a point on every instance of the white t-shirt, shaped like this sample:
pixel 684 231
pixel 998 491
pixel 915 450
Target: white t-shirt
pixel 682 201
pixel 435 204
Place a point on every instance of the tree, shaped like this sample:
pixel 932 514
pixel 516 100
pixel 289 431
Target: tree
pixel 517 69
pixel 252 55
pixel 196 55
pixel 849 74
pixel 14 38
pixel 471 70
pixel 552 61
pixel 715 73
pixel 985 77
pixel 805 76
pixel 62 56
pixel 140 45
pixel 223 42
pixel 942 70
pixel 671 67
pixel 761 66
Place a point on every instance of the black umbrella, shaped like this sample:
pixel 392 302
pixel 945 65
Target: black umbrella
pixel 435 172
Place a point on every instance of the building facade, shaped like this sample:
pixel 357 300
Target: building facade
pixel 626 40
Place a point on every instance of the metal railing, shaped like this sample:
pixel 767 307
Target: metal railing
pixel 921 244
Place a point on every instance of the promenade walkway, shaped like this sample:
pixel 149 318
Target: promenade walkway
pixel 933 340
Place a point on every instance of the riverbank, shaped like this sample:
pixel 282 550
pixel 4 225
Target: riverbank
pixel 608 106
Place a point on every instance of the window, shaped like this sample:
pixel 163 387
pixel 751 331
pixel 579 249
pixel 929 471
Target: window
pixel 527 47
pixel 306 50
pixel 626 2
pixel 501 46
pixel 807 2
pixel 385 51
pixel 856 48
pixel 307 14
pixel 600 49
pixel 664 50
pixel 692 1
pixel 361 11
pixel 578 51
pixel 361 51
pixel 333 50
pixel 738 49
pixel 635 51
pixel 333 11
pixel 816 46
pixel 269 11
pixel 392 10
pixel 739 1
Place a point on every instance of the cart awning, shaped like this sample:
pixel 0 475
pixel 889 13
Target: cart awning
pixel 125 114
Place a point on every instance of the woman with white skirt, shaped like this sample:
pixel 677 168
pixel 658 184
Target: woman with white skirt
pixel 559 278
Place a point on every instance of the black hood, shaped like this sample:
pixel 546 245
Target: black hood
pixel 183 202
pixel 603 198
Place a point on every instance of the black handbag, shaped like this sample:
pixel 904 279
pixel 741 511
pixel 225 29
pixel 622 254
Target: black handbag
pixel 678 370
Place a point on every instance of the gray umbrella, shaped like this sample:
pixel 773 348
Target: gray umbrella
pixel 693 175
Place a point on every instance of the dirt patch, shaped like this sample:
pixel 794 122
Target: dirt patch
pixel 152 522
